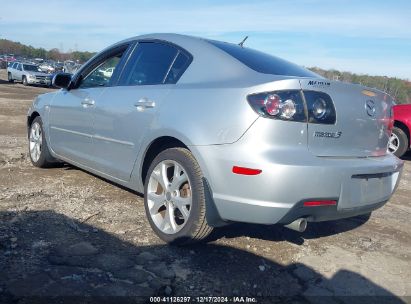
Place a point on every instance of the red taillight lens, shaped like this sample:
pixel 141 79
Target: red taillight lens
pixel 284 105
pixel 272 104
pixel 320 203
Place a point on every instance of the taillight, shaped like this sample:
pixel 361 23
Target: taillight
pixel 320 108
pixel 290 105
pixel 284 105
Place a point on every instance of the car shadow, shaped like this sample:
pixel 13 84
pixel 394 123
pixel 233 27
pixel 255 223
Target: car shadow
pixel 277 233
pixel 49 257
pixel 2 81
pixel 407 156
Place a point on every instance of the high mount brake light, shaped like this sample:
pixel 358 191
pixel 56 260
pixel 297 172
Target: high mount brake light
pixel 292 105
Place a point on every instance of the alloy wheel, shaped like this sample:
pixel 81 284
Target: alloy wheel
pixel 36 140
pixel 393 143
pixel 169 196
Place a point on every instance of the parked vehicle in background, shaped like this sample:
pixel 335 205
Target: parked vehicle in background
pixel 70 66
pixel 46 68
pixel 27 74
pixel 5 60
pixel 400 141
pixel 108 72
pixel 214 132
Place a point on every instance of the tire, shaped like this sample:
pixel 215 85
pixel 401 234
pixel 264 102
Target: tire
pixel 398 143
pixel 24 81
pixel 38 149
pixel 9 77
pixel 171 219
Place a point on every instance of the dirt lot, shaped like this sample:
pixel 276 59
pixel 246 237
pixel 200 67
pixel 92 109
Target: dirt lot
pixel 66 232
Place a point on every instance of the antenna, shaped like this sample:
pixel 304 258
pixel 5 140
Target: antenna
pixel 242 42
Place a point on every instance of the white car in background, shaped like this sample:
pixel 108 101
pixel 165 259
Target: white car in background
pixel 108 72
pixel 28 74
pixel 47 68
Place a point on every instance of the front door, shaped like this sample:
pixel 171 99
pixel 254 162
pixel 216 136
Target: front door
pixel 70 123
pixel 71 111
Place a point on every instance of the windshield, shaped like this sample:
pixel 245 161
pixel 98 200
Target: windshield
pixel 262 62
pixel 32 68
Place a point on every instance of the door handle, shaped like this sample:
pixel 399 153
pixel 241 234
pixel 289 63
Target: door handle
pixel 87 102
pixel 144 103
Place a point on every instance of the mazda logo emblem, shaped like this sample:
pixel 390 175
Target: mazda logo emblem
pixel 370 108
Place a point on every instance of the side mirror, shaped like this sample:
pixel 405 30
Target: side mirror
pixel 62 80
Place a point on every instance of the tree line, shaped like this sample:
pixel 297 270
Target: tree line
pixel 399 89
pixel 28 51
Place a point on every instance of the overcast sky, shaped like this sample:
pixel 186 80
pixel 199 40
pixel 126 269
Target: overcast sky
pixel 362 36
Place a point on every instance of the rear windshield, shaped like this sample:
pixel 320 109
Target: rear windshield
pixel 262 62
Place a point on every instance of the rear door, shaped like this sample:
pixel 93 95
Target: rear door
pixel 126 112
pixel 362 121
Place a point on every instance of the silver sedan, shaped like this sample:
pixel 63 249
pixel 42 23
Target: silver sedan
pixel 214 132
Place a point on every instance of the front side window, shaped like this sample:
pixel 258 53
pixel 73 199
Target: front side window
pixel 101 75
pixel 19 67
pixel 150 64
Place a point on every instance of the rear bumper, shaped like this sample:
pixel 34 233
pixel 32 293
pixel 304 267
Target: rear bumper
pixel 291 176
pixel 326 213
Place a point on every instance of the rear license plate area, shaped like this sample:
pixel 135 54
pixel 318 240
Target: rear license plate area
pixel 367 189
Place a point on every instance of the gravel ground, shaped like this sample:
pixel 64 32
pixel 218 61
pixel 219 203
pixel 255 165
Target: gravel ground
pixel 64 232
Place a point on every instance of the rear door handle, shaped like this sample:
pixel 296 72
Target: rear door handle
pixel 87 102
pixel 144 103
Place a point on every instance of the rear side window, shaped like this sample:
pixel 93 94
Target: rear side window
pixel 177 69
pixel 154 63
pixel 262 62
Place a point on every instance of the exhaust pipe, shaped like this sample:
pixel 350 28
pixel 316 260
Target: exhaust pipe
pixel 298 225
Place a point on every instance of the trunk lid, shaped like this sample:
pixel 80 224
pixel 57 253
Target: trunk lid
pixel 362 120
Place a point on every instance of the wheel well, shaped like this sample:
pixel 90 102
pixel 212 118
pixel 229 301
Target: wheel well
pixel 30 119
pixel 403 127
pixel 156 147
